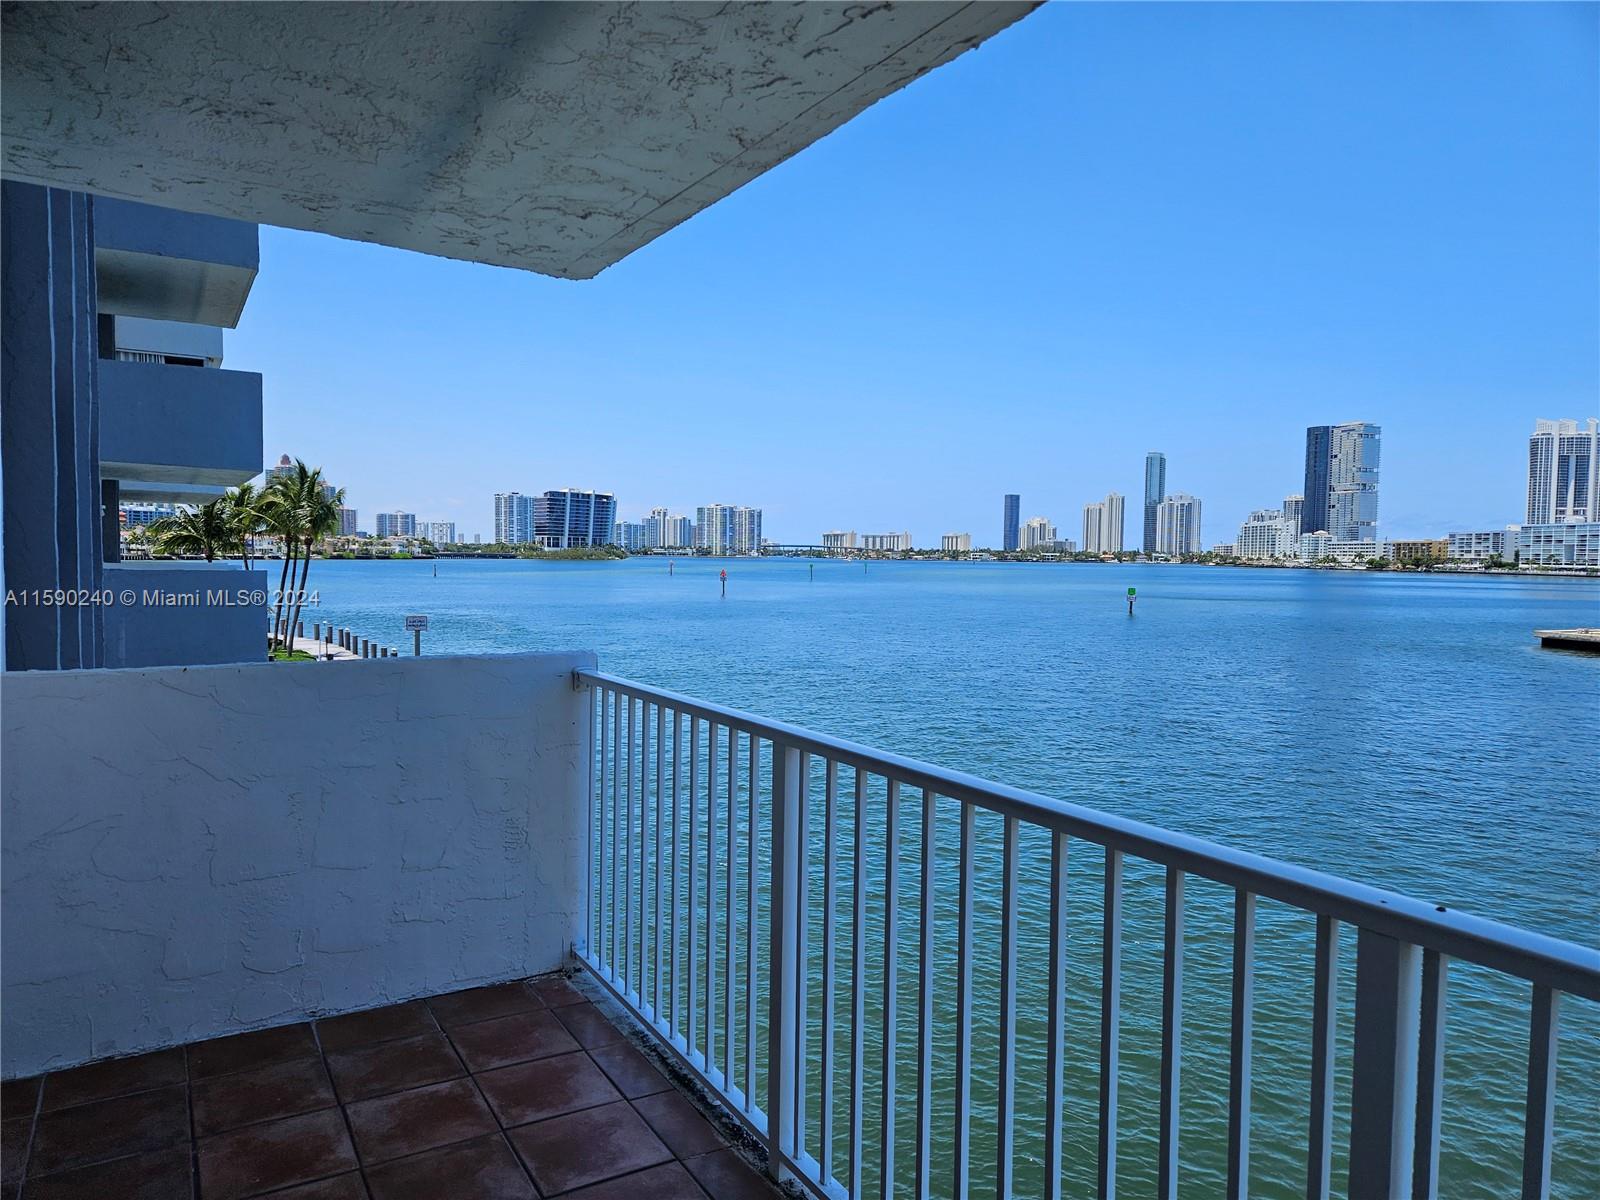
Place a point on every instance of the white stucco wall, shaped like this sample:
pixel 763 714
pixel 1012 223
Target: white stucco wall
pixel 190 852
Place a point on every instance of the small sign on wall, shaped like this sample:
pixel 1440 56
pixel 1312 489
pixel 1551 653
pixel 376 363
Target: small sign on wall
pixel 416 622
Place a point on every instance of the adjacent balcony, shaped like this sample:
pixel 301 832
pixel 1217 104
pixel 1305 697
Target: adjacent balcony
pixel 172 266
pixel 184 613
pixel 872 975
pixel 178 433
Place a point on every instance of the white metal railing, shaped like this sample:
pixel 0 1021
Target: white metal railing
pixel 703 825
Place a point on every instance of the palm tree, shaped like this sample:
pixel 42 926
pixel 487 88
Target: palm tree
pixel 244 507
pixel 202 530
pixel 284 509
pixel 320 520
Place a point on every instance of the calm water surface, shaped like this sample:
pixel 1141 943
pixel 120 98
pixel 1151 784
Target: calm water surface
pixel 1406 731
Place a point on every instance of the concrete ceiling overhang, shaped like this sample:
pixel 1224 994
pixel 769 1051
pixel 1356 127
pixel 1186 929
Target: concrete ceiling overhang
pixel 555 137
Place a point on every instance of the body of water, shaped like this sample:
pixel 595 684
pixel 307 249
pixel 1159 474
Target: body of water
pixel 1402 730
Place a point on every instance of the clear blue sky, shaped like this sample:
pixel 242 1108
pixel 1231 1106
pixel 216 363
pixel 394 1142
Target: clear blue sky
pixel 1113 228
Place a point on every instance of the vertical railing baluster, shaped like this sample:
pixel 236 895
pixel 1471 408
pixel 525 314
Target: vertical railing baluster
pixel 1005 1122
pixel 615 932
pixel 784 962
pixel 1538 1131
pixel 730 950
pixel 633 854
pixel 711 899
pixel 925 999
pixel 803 917
pixel 644 842
pixel 1171 1037
pixel 677 774
pixel 1430 1076
pixel 658 932
pixel 1240 1028
pixel 1383 1097
pixel 858 987
pixel 1324 1041
pixel 891 980
pixel 1110 1022
pixel 692 967
pixel 597 882
pixel 830 897
pixel 962 1149
pixel 752 842
pixel 1055 1016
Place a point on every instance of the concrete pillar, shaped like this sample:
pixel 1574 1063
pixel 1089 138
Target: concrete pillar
pixel 316 631
pixel 366 648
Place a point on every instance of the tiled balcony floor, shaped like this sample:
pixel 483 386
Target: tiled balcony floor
pixel 519 1090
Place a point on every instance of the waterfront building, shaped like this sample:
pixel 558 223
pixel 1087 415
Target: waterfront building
pixel 135 515
pixel 1564 544
pixel 568 517
pixel 1178 525
pixel 677 533
pixel 347 521
pixel 1102 525
pixel 632 536
pixel 1037 534
pixel 1564 472
pixel 1268 533
pixel 728 529
pixel 1341 481
pixel 886 542
pixel 1010 532
pixel 1294 511
pixel 1428 550
pixel 513 518
pixel 441 533
pixel 1093 515
pixel 839 539
pixel 1225 550
pixel 397 524
pixel 956 543
pixel 1314 547
pixel 1155 487
pixel 1482 545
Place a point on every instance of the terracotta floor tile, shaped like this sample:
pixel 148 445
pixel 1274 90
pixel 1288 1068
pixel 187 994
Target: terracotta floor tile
pixel 264 1094
pixel 395 1066
pixel 18 1098
pixel 547 1087
pixel 158 1175
pixel 481 1170
pixel 505 1040
pixel 244 1051
pixel 375 1025
pixel 633 1074
pixel 556 991
pixel 726 1176
pixel 114 1077
pixel 340 1187
pixel 74 1137
pixel 585 1147
pixel 13 1149
pixel 480 1004
pixel 258 1158
pixel 588 1024
pixel 410 1122
pixel 666 1182
pixel 679 1123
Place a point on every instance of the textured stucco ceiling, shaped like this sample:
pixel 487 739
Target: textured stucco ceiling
pixel 555 137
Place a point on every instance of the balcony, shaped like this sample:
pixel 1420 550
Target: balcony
pixel 866 967
pixel 184 613
pixel 168 265
pixel 178 433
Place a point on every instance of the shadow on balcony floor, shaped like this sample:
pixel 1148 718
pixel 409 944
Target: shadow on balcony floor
pixel 524 1089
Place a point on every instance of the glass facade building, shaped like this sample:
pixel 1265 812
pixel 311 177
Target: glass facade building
pixel 566 517
pixel 1011 523
pixel 1155 488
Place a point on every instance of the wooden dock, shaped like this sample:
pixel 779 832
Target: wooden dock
pixel 1569 639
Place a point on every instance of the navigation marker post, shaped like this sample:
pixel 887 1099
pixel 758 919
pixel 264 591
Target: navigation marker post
pixel 724 583
pixel 415 624
pixel 1131 592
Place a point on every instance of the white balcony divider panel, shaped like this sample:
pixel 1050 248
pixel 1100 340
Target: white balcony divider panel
pixel 818 1023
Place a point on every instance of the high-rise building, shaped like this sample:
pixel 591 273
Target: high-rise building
pixel 513 518
pixel 630 535
pixel 1155 488
pixel 1294 510
pixel 397 524
pixel 728 529
pixel 956 543
pixel 1010 532
pixel 1102 525
pixel 677 533
pixel 890 542
pixel 1268 533
pixel 1564 472
pixel 347 521
pixel 567 517
pixel 1178 525
pixel 441 533
pixel 1341 488
pixel 839 539
pixel 1037 534
pixel 1562 543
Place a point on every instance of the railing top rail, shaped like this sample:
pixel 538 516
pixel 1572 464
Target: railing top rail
pixel 1562 965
